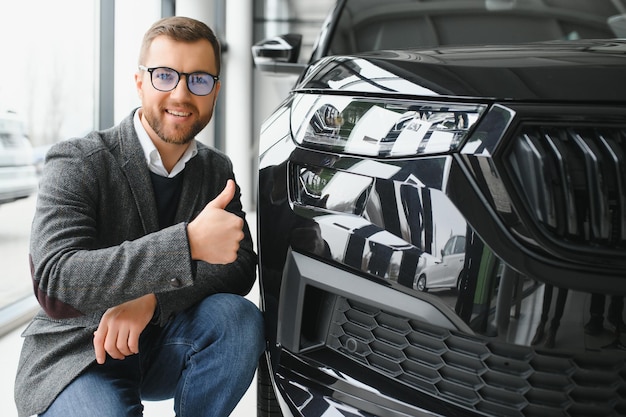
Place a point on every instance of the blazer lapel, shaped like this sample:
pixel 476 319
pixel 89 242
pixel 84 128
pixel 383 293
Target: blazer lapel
pixel 136 170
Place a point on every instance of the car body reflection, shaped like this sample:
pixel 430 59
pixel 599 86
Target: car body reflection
pixel 444 272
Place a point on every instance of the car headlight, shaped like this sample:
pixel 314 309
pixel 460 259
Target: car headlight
pixel 381 128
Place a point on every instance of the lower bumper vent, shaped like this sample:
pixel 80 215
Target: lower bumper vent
pixel 487 376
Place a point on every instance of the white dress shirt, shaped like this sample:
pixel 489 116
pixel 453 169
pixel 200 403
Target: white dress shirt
pixel 153 158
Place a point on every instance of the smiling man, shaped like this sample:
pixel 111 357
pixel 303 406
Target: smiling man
pixel 141 255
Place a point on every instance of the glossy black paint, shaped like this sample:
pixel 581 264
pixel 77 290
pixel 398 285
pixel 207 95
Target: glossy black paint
pixel 344 238
pixel 575 71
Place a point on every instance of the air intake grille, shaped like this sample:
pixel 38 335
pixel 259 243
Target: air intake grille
pixel 573 182
pixel 489 377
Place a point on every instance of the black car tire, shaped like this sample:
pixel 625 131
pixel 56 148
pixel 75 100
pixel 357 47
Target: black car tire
pixel 420 285
pixel 267 404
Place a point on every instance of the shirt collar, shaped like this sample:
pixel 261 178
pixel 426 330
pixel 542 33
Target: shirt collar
pixel 153 158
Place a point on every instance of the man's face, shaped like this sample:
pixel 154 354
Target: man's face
pixel 176 116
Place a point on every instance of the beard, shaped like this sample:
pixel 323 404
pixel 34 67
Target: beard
pixel 178 135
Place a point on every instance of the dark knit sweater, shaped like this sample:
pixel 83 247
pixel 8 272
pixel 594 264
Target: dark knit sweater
pixel 167 193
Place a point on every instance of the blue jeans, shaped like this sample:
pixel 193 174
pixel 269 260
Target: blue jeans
pixel 205 358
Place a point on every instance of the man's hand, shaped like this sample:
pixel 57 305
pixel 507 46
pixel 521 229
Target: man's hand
pixel 215 234
pixel 120 328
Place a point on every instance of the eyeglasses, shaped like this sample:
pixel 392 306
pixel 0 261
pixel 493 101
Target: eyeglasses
pixel 166 79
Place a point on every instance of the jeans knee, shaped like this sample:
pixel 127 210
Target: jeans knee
pixel 251 324
pixel 241 320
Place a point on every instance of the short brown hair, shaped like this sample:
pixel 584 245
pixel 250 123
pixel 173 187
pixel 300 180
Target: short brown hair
pixel 183 29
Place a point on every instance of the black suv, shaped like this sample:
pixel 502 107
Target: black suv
pixel 513 143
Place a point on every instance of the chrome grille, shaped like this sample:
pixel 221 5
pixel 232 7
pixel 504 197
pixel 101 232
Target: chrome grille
pixel 572 180
pixel 486 376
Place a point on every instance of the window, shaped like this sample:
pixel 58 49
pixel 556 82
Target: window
pixel 47 82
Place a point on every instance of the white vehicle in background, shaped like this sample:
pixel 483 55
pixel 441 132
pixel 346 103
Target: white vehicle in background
pixel 18 176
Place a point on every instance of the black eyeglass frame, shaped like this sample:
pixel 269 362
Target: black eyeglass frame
pixel 216 78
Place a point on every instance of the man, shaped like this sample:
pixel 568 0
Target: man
pixel 141 255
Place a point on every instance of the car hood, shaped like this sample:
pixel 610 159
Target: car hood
pixel 567 71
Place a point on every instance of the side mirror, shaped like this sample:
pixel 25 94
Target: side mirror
pixel 279 55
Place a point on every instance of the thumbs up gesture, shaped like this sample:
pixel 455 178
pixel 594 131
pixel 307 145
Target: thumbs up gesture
pixel 214 235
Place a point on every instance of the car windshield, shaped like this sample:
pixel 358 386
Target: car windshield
pixel 371 25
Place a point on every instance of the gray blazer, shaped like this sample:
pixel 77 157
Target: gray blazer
pixel 95 244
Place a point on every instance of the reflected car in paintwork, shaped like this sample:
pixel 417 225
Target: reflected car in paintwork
pixel 376 159
pixel 443 272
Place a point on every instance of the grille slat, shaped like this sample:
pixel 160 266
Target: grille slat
pixel 560 152
pixel 599 218
pixel 617 158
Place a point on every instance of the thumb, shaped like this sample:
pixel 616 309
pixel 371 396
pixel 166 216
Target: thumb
pixel 227 194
